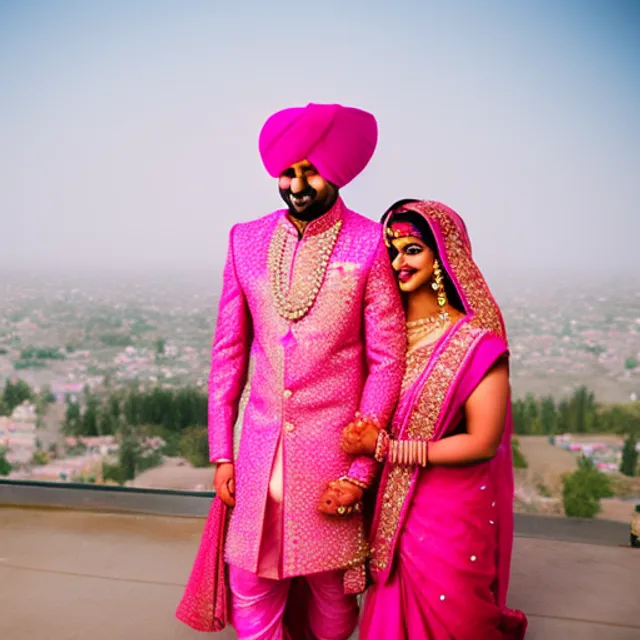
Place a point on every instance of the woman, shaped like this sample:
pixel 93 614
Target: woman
pixel 443 527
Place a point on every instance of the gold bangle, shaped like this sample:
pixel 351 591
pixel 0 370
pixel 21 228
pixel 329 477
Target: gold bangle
pixel 354 481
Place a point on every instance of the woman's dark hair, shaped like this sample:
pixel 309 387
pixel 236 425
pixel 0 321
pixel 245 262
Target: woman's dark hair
pixel 429 239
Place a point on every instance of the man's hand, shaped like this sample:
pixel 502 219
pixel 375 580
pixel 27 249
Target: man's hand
pixel 341 498
pixel 224 483
pixel 359 438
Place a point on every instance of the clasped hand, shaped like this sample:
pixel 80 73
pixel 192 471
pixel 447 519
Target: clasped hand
pixel 341 498
pixel 359 437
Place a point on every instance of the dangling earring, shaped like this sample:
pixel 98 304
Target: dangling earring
pixel 438 286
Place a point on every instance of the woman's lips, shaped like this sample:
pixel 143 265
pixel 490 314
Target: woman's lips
pixel 405 275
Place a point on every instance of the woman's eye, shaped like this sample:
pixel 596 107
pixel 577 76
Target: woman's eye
pixel 412 251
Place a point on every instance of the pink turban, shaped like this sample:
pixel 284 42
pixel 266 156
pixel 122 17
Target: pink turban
pixel 339 141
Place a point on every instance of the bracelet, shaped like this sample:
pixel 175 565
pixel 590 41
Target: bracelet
pixel 354 481
pixel 409 452
pixel 382 446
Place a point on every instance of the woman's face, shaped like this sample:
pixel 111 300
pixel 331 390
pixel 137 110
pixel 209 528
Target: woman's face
pixel 413 263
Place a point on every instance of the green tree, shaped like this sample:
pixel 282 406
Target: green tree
pixel 583 489
pixel 15 393
pixel 548 416
pixel 629 463
pixel 40 458
pixel 519 461
pixel 194 446
pixel 5 467
pixel 160 345
pixel 90 416
pixel 129 455
pixel 73 419
pixel 531 414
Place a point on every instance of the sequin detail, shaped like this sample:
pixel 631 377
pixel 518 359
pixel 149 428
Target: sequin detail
pixel 421 425
pixel 330 371
pixel 294 299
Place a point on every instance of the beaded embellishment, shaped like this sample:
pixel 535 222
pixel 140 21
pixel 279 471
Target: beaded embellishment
pixel 294 301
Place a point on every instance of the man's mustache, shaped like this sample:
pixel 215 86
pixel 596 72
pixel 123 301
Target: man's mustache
pixel 308 192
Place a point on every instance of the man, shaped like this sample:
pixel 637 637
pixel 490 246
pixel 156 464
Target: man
pixel 309 296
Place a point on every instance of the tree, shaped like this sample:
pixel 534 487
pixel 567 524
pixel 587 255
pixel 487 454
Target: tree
pixel 72 422
pixel 519 461
pixel 15 393
pixel 194 446
pixel 548 416
pixel 160 344
pixel 583 489
pixel 629 463
pixel 5 467
pixel 90 417
pixel 129 456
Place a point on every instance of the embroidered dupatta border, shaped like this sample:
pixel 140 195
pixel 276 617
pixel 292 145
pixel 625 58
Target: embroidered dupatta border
pixel 426 414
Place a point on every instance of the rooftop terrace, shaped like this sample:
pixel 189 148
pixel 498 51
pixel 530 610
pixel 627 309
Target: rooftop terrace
pixel 76 563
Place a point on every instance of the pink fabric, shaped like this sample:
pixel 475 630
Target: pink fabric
pixel 346 355
pixel 270 560
pixel 447 571
pixel 452 553
pixel 338 140
pixel 206 600
pixel 266 609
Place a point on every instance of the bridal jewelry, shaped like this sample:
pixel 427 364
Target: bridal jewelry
pixel 293 302
pixel 423 327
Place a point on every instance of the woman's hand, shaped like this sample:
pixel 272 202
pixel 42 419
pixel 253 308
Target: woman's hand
pixel 359 438
pixel 341 498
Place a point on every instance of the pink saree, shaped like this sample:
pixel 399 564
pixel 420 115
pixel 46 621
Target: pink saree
pixel 442 536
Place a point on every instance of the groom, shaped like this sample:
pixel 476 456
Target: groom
pixel 309 295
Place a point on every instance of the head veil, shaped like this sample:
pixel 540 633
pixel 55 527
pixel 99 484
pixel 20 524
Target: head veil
pixel 454 249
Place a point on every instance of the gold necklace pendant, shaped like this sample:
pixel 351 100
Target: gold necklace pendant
pixel 294 301
pixel 435 318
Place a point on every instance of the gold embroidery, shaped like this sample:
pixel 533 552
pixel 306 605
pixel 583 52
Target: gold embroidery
pixel 294 300
pixel 458 262
pixel 421 426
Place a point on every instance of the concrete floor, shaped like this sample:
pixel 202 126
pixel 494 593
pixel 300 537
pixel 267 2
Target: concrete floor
pixel 76 575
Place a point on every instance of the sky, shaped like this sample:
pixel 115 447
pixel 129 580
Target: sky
pixel 128 128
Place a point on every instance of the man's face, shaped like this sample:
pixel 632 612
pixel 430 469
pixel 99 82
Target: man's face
pixel 306 193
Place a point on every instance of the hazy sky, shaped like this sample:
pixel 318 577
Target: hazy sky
pixel 128 129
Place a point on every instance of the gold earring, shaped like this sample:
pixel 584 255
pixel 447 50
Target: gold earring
pixel 438 284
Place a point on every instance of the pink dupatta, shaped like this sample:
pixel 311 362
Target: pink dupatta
pixel 205 605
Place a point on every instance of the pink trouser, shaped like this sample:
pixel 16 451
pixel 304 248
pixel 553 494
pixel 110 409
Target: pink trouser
pixel 258 606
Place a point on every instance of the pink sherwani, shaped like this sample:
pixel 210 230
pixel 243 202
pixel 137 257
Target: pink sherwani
pixel 309 379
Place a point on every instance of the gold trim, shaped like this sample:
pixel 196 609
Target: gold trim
pixel 424 417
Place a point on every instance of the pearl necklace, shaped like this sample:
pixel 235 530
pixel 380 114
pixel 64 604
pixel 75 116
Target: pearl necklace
pixel 293 303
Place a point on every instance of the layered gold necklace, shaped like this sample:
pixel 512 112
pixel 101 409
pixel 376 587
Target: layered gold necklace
pixel 293 301
pixel 422 327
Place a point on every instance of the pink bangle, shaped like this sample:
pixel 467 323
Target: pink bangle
pixel 409 452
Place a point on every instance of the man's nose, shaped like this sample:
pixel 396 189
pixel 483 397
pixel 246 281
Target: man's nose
pixel 298 184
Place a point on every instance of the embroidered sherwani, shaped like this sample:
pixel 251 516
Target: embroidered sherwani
pixel 310 377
